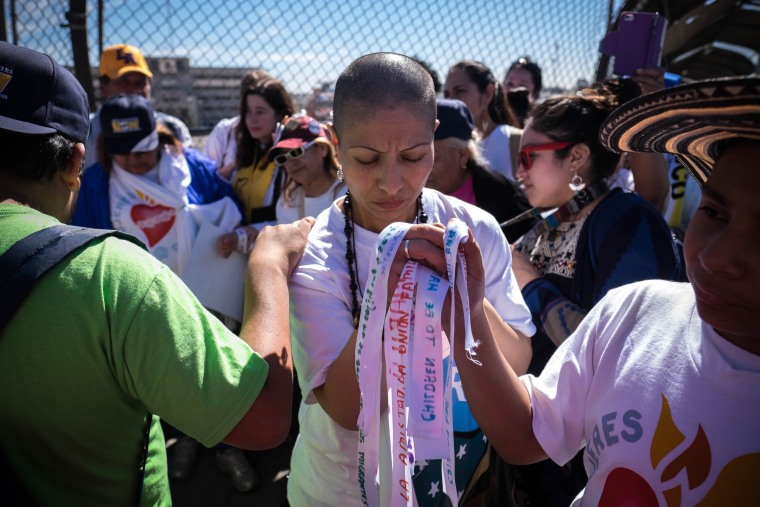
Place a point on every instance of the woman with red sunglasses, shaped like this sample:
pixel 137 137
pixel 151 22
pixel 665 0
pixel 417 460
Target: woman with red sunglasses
pixel 597 239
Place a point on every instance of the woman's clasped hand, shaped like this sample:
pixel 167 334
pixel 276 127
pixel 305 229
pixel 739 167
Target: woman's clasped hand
pixel 424 244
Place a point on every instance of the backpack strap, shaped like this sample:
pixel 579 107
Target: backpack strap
pixel 20 268
pixel 605 217
pixel 30 258
pixel 268 213
pixel 601 223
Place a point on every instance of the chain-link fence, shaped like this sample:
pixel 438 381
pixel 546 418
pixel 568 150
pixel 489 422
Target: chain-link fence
pixel 199 49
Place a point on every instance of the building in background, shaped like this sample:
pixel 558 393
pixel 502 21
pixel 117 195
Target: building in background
pixel 199 96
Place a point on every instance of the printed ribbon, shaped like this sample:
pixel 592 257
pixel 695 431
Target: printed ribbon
pixel 407 340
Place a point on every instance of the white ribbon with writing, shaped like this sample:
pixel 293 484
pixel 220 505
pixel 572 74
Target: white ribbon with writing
pixel 396 343
pixel 456 265
pixel 427 361
pixel 369 359
pixel 408 341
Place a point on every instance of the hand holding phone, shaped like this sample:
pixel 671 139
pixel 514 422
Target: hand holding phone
pixel 637 43
pixel 650 79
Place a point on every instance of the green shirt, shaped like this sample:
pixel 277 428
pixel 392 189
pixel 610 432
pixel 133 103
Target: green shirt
pixel 105 337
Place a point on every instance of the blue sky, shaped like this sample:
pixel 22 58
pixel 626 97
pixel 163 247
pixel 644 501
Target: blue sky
pixel 308 42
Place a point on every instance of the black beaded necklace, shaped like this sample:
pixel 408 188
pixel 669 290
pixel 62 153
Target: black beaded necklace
pixel 353 268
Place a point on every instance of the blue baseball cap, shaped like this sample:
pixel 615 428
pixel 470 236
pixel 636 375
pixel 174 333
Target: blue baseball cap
pixel 455 120
pixel 40 97
pixel 128 125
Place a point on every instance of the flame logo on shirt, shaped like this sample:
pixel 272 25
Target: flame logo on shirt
pixel 735 485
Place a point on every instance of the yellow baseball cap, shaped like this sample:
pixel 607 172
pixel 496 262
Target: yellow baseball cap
pixel 117 60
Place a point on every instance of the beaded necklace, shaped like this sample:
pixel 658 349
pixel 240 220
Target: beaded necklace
pixel 353 268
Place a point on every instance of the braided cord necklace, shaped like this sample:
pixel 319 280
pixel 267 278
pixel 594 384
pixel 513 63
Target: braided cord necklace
pixel 353 268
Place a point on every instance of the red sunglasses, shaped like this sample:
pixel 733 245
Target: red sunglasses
pixel 525 152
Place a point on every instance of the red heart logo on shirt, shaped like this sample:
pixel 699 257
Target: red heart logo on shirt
pixel 154 221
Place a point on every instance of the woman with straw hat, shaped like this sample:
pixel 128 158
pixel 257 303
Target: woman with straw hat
pixel 661 381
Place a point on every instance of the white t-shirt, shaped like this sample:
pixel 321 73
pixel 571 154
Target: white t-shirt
pixel 622 178
pixel 496 151
pixel 665 406
pixel 220 143
pixel 323 464
pixel 301 206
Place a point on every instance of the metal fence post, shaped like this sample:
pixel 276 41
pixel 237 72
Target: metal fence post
pixel 77 23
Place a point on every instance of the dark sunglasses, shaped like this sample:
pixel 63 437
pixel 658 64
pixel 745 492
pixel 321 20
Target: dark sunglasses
pixel 526 160
pixel 294 153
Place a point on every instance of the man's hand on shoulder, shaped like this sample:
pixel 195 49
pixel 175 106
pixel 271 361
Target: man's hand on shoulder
pixel 281 244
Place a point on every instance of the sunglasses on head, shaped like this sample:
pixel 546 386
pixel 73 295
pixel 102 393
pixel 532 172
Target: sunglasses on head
pixel 293 154
pixel 526 160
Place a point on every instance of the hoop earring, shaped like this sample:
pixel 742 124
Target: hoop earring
pixel 576 183
pixel 341 174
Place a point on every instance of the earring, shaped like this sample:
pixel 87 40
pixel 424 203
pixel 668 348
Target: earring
pixel 576 183
pixel 341 175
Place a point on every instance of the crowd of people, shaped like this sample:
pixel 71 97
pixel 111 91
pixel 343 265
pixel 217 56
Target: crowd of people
pixel 611 302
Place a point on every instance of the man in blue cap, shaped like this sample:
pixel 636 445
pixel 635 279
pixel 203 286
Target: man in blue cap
pixel 124 69
pixel 109 339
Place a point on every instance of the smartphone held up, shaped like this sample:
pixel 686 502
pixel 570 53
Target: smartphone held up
pixel 637 43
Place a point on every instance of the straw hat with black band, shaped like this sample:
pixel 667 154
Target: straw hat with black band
pixel 689 121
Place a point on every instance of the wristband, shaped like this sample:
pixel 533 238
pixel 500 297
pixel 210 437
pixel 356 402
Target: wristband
pixel 242 241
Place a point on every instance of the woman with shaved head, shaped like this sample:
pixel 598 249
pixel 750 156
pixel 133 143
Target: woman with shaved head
pixel 384 120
